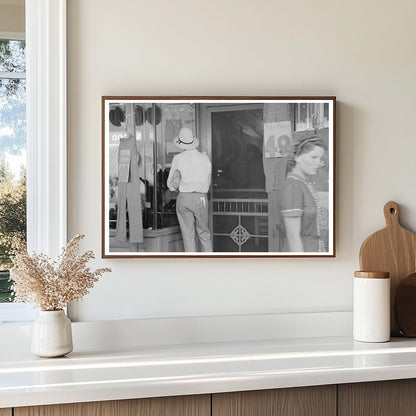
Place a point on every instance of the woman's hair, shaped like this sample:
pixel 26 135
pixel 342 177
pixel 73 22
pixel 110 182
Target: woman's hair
pixel 304 146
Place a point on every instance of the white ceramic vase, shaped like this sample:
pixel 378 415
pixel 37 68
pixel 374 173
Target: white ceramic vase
pixel 52 334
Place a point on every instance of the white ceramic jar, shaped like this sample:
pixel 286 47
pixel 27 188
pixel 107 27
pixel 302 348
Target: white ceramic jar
pixel 371 308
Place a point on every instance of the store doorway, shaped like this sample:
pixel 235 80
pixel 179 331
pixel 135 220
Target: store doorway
pixel 239 214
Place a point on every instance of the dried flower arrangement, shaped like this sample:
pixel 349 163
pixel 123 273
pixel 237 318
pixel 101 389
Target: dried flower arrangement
pixel 52 285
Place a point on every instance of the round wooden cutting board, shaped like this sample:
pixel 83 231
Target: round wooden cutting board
pixel 392 250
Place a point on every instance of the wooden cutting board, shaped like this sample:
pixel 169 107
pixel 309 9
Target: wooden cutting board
pixel 393 250
pixel 405 306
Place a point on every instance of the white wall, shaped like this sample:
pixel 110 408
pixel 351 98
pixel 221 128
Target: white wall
pixel 361 51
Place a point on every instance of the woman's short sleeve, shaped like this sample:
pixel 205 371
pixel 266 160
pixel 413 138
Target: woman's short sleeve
pixel 292 199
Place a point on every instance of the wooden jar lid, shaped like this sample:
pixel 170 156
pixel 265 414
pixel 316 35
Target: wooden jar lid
pixel 372 275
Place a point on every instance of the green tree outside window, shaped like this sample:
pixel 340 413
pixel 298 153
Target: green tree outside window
pixel 12 151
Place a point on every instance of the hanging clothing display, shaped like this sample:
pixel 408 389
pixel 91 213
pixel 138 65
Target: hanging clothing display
pixel 129 200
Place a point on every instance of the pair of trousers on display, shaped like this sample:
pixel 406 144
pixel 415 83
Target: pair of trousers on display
pixel 192 212
pixel 129 198
pixel 129 202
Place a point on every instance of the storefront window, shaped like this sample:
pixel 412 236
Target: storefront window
pixel 153 126
pixel 311 116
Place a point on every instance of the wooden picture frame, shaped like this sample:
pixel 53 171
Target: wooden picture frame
pixel 271 188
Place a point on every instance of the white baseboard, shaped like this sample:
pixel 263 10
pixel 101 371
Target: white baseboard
pixel 110 335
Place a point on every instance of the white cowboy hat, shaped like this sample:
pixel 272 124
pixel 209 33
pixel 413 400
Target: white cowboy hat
pixel 186 139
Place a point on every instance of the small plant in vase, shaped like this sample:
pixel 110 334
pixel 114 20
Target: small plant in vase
pixel 51 286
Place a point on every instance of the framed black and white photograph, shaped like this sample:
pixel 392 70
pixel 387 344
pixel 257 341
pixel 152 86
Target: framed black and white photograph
pixel 218 176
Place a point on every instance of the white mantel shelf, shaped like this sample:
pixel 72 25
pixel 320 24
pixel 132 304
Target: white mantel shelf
pixel 151 371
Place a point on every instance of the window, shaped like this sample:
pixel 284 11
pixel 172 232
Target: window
pixel 152 127
pixel 311 116
pixel 12 155
pixel 46 136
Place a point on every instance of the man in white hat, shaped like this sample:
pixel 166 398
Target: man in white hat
pixel 190 173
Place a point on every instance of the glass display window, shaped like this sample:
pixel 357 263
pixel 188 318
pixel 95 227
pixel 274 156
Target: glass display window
pixel 153 126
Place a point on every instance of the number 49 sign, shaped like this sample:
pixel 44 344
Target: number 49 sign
pixel 276 139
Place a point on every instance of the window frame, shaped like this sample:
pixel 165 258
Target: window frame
pixel 46 118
